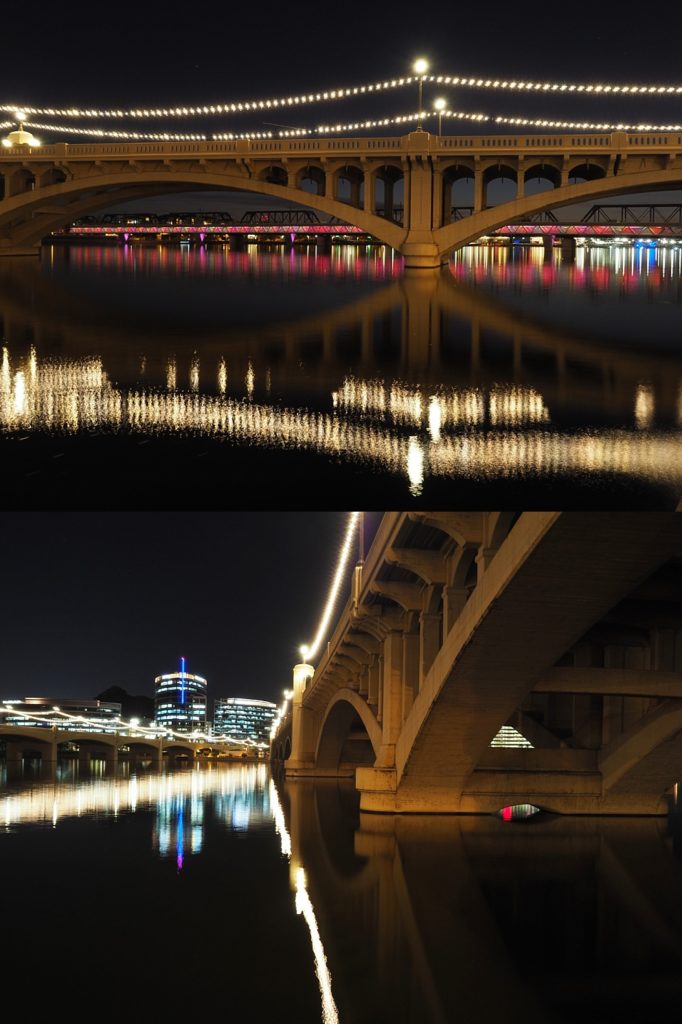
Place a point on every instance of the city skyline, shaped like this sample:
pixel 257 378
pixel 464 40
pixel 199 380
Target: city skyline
pixel 117 598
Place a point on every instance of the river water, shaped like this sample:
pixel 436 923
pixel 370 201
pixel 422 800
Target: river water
pixel 215 892
pixel 508 379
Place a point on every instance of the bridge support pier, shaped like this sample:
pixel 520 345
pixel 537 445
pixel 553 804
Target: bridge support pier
pixel 568 247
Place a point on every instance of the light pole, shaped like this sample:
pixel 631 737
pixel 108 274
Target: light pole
pixel 420 67
pixel 439 105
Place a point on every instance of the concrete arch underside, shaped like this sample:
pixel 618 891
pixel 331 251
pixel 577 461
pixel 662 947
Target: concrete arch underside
pixel 453 236
pixel 545 574
pixel 23 224
pixel 345 707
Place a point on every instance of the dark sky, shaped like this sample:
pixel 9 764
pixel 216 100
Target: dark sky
pixel 91 600
pixel 160 51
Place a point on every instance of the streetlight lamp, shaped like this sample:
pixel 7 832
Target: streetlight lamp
pixel 420 67
pixel 439 105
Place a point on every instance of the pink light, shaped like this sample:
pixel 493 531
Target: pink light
pixel 506 814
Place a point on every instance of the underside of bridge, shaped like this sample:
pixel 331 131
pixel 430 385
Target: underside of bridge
pixel 506 658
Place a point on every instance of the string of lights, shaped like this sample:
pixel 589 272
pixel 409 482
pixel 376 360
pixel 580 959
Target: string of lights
pixel 587 88
pixel 52 717
pixel 104 133
pixel 345 92
pixel 308 651
pixel 212 109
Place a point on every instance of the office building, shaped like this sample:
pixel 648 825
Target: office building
pixel 243 719
pixel 180 700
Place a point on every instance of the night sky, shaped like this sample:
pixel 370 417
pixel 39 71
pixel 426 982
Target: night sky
pixel 91 600
pixel 154 52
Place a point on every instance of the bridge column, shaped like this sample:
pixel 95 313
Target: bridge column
pixel 374 680
pixel 479 190
pixel 454 599
pixel 303 724
pixel 437 200
pixel 520 179
pixel 429 643
pixel 419 248
pixel 391 699
pixel 369 204
pixel 410 671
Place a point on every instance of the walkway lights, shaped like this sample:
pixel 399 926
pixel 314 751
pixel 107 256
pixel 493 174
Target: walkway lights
pixel 420 67
pixel 439 106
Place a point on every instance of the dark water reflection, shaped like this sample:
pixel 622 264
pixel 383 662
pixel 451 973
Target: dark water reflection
pixel 213 888
pixel 504 376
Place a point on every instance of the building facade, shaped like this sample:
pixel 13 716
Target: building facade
pixel 243 719
pixel 180 701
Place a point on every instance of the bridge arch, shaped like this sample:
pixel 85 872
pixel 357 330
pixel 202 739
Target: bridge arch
pixel 275 174
pixel 641 766
pixel 469 229
pixel 342 712
pixel 540 173
pixel 88 195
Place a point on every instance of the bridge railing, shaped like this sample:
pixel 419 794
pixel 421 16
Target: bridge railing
pixel 417 142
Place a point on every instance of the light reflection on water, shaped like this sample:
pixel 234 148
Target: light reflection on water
pixel 426 378
pixel 409 919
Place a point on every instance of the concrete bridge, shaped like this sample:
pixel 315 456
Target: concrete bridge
pixel 562 625
pixel 47 187
pixel 48 742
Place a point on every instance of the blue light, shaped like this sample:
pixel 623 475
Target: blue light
pixel 182 680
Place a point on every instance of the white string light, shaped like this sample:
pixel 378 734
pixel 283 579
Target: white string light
pixel 345 92
pixel 588 125
pixel 310 650
pixel 104 725
pixel 589 89
pixel 208 110
pixel 104 133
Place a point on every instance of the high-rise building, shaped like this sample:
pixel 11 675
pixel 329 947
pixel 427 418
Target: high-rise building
pixel 243 719
pixel 180 700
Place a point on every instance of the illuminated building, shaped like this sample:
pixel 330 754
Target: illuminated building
pixel 243 719
pixel 180 700
pixel 97 712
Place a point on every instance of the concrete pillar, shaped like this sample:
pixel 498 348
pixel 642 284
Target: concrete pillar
pixel 303 738
pixel 388 198
pixel 323 244
pixel 369 204
pixel 484 557
pixel 437 200
pixel 374 680
pixel 429 643
pixel 454 599
pixel 410 672
pixel 355 193
pixel 363 681
pixel 391 698
pixel 237 243
pixel 520 180
pixel 479 191
pixel 568 248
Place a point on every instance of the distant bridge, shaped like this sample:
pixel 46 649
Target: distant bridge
pixel 101 741
pixel 47 187
pixel 563 626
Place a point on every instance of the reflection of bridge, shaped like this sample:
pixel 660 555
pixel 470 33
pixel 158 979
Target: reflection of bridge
pixel 564 626
pixel 50 186
pixel 411 429
pixel 463 905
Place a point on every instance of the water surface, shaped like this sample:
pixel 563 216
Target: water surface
pixel 214 890
pixel 507 376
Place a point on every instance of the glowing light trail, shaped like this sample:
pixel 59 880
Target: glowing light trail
pixel 310 650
